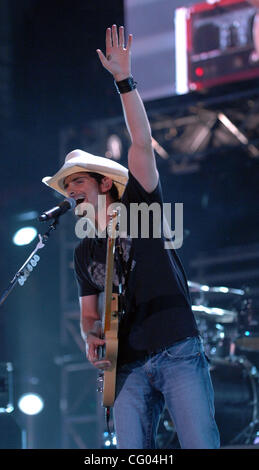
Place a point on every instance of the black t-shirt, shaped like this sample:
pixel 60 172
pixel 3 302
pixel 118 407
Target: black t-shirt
pixel 158 304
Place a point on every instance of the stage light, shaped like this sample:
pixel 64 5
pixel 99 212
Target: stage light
pixel 24 236
pixel 199 71
pixel 31 403
pixel 110 440
pixel 205 288
pixel 28 215
pixel 114 147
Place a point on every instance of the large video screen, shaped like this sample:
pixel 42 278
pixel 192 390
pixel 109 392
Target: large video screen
pixel 208 43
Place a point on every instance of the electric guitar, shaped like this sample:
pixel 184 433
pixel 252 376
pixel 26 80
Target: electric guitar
pixel 110 320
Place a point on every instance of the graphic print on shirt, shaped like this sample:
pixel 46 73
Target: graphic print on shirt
pixel 96 269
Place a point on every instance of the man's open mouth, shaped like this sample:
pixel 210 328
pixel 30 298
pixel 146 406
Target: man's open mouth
pixel 79 200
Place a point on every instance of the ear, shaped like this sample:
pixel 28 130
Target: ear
pixel 106 184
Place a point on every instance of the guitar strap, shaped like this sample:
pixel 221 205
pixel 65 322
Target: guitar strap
pixel 123 270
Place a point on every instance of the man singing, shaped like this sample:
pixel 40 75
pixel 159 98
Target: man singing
pixel 161 360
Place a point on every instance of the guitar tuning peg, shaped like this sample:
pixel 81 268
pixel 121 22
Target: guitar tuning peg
pixel 21 280
pixel 26 272
pixel 34 260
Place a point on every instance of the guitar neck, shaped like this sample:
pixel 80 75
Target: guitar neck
pixel 109 284
pixel 109 297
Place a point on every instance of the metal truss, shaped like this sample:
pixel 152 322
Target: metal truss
pixel 194 127
pixel 224 263
pixel 186 129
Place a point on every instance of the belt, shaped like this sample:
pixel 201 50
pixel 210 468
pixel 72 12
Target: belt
pixel 145 355
pixel 157 351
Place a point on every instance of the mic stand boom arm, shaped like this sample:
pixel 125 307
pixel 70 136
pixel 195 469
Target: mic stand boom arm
pixel 27 267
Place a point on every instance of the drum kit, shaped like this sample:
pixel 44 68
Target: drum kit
pixel 230 334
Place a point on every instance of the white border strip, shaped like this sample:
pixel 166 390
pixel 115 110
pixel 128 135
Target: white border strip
pixel 181 65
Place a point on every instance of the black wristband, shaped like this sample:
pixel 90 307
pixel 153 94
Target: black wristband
pixel 124 86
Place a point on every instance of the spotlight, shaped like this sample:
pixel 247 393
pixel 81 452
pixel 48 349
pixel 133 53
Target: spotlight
pixel 110 440
pixel 31 403
pixel 205 288
pixel 114 147
pixel 28 215
pixel 24 236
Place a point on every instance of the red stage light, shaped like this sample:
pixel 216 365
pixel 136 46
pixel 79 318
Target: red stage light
pixel 199 71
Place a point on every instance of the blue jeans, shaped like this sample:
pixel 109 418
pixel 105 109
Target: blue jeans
pixel 177 377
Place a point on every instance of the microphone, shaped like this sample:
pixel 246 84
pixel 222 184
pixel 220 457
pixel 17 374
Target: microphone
pixel 56 211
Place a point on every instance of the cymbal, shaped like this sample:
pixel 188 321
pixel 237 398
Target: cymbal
pixel 203 288
pixel 218 315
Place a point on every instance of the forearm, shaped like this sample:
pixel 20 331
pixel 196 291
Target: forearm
pixel 90 325
pixel 136 119
pixel 141 158
pixel 117 62
pixel 256 33
pixel 255 3
pixel 90 320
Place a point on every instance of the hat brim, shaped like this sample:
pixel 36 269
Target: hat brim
pixel 79 161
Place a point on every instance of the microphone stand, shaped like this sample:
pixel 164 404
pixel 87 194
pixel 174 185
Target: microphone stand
pixel 27 267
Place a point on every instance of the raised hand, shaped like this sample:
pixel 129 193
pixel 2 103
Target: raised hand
pixel 118 57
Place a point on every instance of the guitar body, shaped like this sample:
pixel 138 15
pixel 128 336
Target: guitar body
pixel 110 319
pixel 111 353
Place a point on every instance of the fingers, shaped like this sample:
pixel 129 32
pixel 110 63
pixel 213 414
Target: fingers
pixel 103 365
pixel 117 57
pixel 121 36
pixel 92 348
pixel 92 356
pixel 108 41
pixel 102 58
pixel 112 38
pixel 96 362
pixel 114 35
pixel 129 42
pixel 92 353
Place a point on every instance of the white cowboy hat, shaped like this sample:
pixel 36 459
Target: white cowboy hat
pixel 78 160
